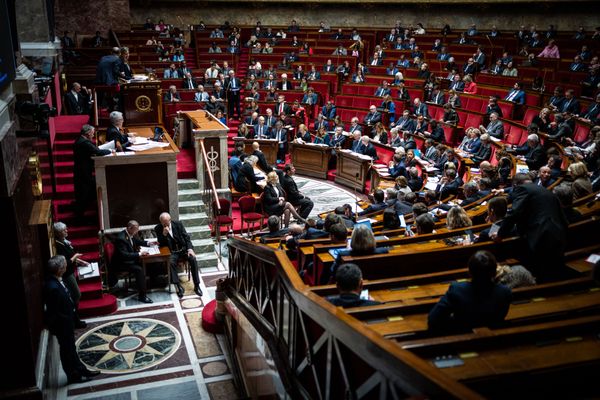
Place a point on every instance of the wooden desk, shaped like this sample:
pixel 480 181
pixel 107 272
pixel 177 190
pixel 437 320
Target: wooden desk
pixel 352 170
pixel 267 146
pixel 138 185
pixel 162 258
pixel 310 159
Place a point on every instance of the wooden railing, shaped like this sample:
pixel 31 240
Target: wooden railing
pixel 317 350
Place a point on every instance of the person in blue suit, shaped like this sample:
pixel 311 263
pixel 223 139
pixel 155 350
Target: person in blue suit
pixel 516 95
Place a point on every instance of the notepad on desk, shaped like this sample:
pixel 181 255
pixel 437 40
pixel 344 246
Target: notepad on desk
pixel 150 250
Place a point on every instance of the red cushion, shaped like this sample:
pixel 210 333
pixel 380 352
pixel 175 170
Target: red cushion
pixel 252 216
pixel 224 220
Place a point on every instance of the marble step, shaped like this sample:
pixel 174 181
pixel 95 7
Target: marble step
pixel 190 195
pixel 193 219
pixel 202 246
pixel 208 259
pixel 190 207
pixel 183 184
pixel 198 232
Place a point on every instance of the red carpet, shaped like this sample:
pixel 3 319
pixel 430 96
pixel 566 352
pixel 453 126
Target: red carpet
pixel 186 164
pixel 83 236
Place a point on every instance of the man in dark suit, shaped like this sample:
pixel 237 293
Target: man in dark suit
pixel 366 148
pixel 173 234
pixel 348 279
pixel 83 170
pixel 471 193
pixel 480 302
pixel 172 96
pixel 233 86
pixel 516 95
pixel 281 135
pixel 448 185
pixel 303 204
pixel 189 82
pixel 373 116
pixel 284 84
pixel 378 203
pixel 107 71
pixel 541 225
pixel 420 108
pixel 329 110
pixel 282 107
pixel 544 178
pixel 415 182
pixel 60 318
pixel 127 257
pixel 570 104
pixel 338 138
pixel 533 153
pixel 262 161
pixel 77 100
pixel 261 131
pixel 329 67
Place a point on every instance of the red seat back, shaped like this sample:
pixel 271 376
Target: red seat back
pixel 581 133
pixel 473 120
pixel 225 206
pixel 247 204
pixel 109 251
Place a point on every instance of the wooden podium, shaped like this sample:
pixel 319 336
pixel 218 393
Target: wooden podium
pixel 310 159
pixel 352 169
pixel 143 103
pixel 204 127
pixel 138 185
pixel 267 146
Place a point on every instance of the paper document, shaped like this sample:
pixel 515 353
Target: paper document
pixel 108 145
pixel 139 140
pixel 593 258
pixel 148 146
pixel 87 269
pixel 150 250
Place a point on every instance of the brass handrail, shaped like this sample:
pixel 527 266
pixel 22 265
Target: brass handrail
pixel 210 174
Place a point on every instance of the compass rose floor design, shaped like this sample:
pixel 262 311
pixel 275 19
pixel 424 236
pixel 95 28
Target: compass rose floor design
pixel 159 351
pixel 126 346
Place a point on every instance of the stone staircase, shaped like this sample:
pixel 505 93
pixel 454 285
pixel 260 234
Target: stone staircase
pixel 194 215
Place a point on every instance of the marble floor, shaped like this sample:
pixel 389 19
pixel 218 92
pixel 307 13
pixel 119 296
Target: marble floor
pixel 160 351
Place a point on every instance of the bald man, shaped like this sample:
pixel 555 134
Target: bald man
pixel 173 234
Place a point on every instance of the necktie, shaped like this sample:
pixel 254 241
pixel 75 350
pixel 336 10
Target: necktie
pixel 281 108
pixel 233 83
pixel 566 106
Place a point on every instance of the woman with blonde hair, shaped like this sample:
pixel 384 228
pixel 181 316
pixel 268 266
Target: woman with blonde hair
pixel 274 202
pixel 457 218
pixel 380 134
pixel 542 120
pixel 581 186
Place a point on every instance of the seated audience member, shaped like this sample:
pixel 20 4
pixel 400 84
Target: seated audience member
pixel 247 178
pixel 495 127
pixel 485 150
pixel 424 224
pixel 348 280
pixel 60 318
pixel 496 211
pixel 201 95
pixel 544 177
pixel 362 243
pixel 274 201
pixel 345 213
pixel 542 227
pixel 565 197
pixel 261 159
pixel 448 185
pixel 172 234
pixel 372 117
pixel 298 200
pixel 560 129
pixel 532 152
pixel 513 276
pixel 457 218
pixel 516 95
pixel 378 203
pixel 390 219
pixel 415 182
pixel 64 248
pixel 471 193
pixel 172 95
pixel 550 51
pixel 366 148
pixel 116 132
pixel 480 302
pixel 273 229
pixel 397 167
pixel 127 258
pixel 582 185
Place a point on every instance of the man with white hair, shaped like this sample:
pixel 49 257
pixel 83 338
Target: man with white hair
pixel 354 126
pixel 173 234
pixel 59 317
pixel 356 142
pixel 189 82
pixel 366 148
pixel 284 84
pixel 373 116
pixel 201 95
pixel 233 86
pixel 495 128
pixel 261 131
pixel 172 96
pixel 532 152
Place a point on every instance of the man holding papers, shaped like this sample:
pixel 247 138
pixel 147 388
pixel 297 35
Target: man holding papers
pixel 83 170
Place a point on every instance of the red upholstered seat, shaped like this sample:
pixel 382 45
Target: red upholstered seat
pixel 248 212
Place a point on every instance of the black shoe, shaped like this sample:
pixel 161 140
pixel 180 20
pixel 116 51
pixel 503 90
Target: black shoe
pixel 79 324
pixel 77 379
pixel 89 373
pixel 198 291
pixel 145 299
pixel 179 290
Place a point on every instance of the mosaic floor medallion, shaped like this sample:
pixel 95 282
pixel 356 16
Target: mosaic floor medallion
pixel 128 346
